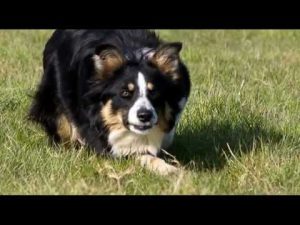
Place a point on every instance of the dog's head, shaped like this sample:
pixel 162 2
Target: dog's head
pixel 140 89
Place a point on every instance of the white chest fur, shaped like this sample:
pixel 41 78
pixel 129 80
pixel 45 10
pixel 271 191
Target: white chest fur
pixel 125 142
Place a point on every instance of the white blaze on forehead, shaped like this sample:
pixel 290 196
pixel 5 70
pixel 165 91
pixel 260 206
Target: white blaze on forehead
pixel 142 84
pixel 141 102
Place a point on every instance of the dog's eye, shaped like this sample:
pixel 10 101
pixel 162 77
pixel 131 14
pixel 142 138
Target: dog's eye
pixel 153 94
pixel 125 93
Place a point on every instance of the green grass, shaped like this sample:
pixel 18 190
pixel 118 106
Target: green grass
pixel 240 132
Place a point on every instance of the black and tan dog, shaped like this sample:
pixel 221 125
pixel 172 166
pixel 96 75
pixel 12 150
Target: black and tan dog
pixel 119 92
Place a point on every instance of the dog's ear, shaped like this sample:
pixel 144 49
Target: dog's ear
pixel 166 57
pixel 107 59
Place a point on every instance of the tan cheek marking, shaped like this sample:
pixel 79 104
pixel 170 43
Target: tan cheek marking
pixel 131 87
pixel 164 118
pixel 150 86
pixel 112 121
pixel 162 122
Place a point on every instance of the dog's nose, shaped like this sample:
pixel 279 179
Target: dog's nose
pixel 144 115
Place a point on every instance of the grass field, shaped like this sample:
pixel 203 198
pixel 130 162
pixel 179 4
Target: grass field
pixel 240 132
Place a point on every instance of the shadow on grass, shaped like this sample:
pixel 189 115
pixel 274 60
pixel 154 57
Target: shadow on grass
pixel 206 143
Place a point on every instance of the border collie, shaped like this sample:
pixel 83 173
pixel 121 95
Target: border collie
pixel 119 92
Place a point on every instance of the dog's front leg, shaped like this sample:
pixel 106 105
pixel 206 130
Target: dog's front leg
pixel 156 164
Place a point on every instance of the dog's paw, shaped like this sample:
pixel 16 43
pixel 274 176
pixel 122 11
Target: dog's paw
pixel 164 168
pixel 157 165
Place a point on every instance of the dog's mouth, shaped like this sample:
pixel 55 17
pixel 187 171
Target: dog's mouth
pixel 140 129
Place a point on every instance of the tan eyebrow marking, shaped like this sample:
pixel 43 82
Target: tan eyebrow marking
pixel 130 86
pixel 150 86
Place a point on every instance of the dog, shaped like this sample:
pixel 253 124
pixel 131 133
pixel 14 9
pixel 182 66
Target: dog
pixel 118 92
